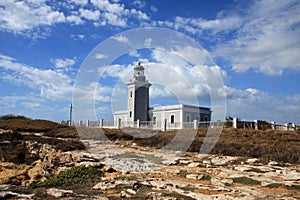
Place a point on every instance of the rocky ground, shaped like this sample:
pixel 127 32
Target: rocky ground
pixel 129 171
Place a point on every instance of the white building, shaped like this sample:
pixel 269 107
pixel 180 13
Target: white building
pixel 172 116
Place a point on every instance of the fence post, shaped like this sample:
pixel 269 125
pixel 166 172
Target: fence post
pixel 234 122
pixel 256 124
pixel 101 123
pixel 165 125
pixel 138 123
pixel 195 124
pixel 87 123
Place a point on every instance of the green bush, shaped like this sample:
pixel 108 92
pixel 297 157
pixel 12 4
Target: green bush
pixel 289 187
pixel 10 116
pixel 206 177
pixel 246 180
pixel 74 176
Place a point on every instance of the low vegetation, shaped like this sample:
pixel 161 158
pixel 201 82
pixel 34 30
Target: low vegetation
pixel 48 128
pixel 10 116
pixel 246 180
pixel 280 185
pixel 76 176
pixel 266 145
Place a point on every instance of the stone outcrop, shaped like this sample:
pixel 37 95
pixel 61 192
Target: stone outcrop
pixel 145 173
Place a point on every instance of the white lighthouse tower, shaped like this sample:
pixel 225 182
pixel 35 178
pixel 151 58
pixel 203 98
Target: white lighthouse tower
pixel 138 96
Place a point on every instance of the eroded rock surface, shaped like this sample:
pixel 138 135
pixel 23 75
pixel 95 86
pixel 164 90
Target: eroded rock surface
pixel 134 172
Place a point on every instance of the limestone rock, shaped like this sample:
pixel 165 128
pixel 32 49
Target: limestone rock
pixel 252 160
pixel 193 164
pixel 124 194
pixel 222 160
pixel 192 176
pixel 13 195
pixel 57 193
pixel 131 191
pixel 104 185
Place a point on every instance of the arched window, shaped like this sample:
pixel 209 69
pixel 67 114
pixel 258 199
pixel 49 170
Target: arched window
pixel 188 118
pixel 172 119
pixel 130 114
pixel 154 119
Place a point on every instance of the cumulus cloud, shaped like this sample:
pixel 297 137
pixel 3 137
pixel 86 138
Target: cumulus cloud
pixel 100 56
pixel 254 104
pixel 30 17
pixel 268 39
pixel 89 14
pixel 264 36
pixel 121 38
pixel 62 63
pixel 18 16
pixel 51 84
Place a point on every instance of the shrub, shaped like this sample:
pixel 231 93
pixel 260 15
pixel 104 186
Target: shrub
pixel 206 177
pixel 289 187
pixel 10 116
pixel 74 176
pixel 246 180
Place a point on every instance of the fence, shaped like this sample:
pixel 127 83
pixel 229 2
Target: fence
pixel 165 125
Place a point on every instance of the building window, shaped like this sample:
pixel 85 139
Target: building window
pixel 130 93
pixel 154 120
pixel 188 118
pixel 172 119
pixel 197 118
pixel 205 118
pixel 130 114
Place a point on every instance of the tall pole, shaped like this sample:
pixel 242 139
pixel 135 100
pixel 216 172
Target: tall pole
pixel 71 108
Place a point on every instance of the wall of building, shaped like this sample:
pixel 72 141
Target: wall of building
pixel 141 104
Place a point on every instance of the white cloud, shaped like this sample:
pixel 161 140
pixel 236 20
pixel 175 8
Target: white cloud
pixel 77 37
pixel 32 18
pixel 100 56
pixel 89 14
pixel 148 42
pixel 139 3
pixel 79 2
pixel 114 19
pixel 134 53
pixel 52 84
pixel 253 104
pixel 121 38
pixel 121 72
pixel 62 63
pixel 18 16
pixel 267 41
pixel 263 36
pixel 74 19
pixel 153 9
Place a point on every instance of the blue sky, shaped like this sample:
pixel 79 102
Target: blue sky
pixel 254 46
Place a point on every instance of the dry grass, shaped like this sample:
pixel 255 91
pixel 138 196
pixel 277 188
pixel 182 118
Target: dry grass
pixel 266 145
pixel 281 146
pixel 49 128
